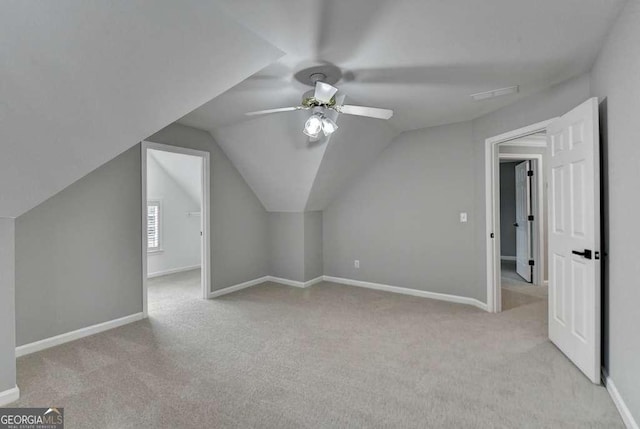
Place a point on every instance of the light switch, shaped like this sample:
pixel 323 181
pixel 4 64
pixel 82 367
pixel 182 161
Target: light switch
pixel 463 217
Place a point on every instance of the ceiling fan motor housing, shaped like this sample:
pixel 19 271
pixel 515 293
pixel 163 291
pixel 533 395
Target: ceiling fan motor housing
pixel 327 73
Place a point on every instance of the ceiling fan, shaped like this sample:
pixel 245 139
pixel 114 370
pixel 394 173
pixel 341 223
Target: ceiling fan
pixel 322 101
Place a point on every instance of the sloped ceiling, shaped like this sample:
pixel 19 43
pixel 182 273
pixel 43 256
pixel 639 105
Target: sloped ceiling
pixel 421 58
pixel 82 81
pixel 185 170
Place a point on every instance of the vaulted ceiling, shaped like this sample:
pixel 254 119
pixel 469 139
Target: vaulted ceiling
pixel 82 81
pixel 185 170
pixel 422 59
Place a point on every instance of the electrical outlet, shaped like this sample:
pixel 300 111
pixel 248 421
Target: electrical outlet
pixel 463 217
pixel 356 264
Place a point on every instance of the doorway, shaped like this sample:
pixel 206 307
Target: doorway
pixel 574 302
pixel 175 225
pixel 526 144
pixel 523 221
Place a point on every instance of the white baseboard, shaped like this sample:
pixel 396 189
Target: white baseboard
pixel 408 291
pixel 77 334
pixel 313 281
pixel 508 258
pixel 624 411
pixel 172 271
pixel 9 396
pixel 369 285
pixel 287 282
pixel 226 290
pixel 295 283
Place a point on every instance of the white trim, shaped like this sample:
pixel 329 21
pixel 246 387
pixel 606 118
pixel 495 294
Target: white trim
pixel 287 282
pixel 350 282
pixel 10 395
pixel 507 258
pixel 624 411
pixel 528 142
pixel 407 291
pixel 77 334
pixel 205 222
pixel 224 291
pixel 313 281
pixel 172 271
pixel 492 213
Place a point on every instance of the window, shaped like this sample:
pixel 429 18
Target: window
pixel 154 226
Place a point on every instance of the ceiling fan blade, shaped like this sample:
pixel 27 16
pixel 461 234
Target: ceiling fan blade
pixel 324 92
pixel 278 110
pixel 372 112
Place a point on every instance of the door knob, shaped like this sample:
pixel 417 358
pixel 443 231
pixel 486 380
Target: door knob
pixel 586 253
pixel 516 224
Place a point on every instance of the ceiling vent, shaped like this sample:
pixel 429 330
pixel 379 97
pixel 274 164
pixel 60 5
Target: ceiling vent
pixel 495 93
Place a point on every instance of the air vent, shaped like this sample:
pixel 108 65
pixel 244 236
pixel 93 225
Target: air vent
pixel 495 93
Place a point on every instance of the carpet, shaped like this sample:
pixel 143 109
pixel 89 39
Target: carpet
pixel 274 356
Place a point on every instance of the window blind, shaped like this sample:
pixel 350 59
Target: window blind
pixel 153 225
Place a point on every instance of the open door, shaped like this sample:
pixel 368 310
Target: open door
pixel 522 225
pixel 574 237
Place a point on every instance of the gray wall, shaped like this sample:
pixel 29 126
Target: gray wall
pixel 313 262
pixel 239 222
pixel 616 80
pixel 401 218
pixel 78 254
pixel 508 208
pixel 296 245
pixel 7 299
pixel 286 249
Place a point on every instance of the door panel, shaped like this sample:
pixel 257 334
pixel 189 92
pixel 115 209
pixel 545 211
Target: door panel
pixel 523 226
pixel 574 210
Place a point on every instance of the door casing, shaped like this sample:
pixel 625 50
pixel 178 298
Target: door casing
pixel 492 209
pixel 205 249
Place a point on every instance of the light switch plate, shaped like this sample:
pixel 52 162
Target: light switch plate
pixel 463 217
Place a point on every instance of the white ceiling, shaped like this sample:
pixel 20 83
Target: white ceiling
pixel 81 82
pixel 421 58
pixel 186 170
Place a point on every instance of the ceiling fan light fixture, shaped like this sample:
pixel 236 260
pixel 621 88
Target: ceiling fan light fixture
pixel 313 126
pixel 328 126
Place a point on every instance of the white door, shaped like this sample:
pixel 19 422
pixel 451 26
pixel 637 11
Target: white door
pixel 574 237
pixel 522 225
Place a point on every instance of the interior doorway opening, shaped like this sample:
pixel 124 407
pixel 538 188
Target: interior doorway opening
pixel 523 221
pixel 528 144
pixel 175 226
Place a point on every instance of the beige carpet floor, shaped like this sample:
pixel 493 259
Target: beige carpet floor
pixel 274 356
pixel 516 291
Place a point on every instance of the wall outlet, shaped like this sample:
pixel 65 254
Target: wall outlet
pixel 356 264
pixel 463 217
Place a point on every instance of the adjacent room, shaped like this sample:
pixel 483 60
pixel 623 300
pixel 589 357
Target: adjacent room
pixel 278 214
pixel 523 231
pixel 174 195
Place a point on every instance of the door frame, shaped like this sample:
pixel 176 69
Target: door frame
pixel 492 207
pixel 205 225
